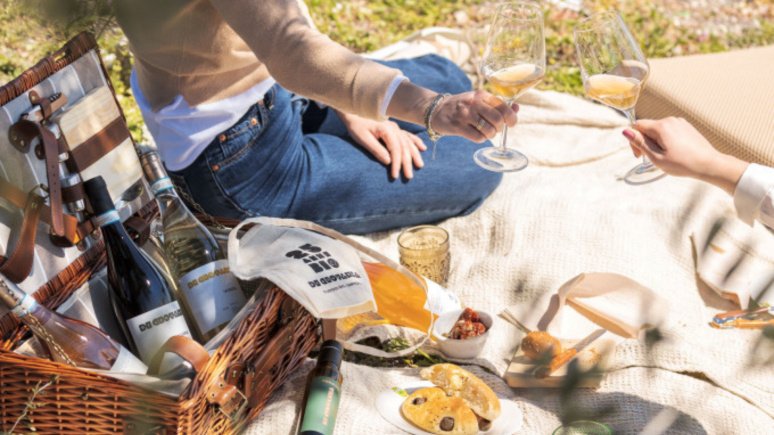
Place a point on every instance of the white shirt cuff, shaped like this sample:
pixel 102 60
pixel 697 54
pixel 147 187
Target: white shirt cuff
pixel 390 92
pixel 751 190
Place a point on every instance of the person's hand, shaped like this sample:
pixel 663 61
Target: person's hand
pixel 476 115
pixel 677 148
pixel 389 144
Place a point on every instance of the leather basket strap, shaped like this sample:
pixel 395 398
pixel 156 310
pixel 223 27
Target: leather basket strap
pixel 27 131
pixel 97 146
pixel 74 232
pixel 73 193
pixel 185 348
pixel 224 391
pixel 18 266
pixel 258 380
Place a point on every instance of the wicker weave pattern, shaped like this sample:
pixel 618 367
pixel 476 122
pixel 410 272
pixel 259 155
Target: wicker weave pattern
pixel 80 401
pixel 74 49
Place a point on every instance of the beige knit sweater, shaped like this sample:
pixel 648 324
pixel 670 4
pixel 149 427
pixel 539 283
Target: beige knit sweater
pixel 207 50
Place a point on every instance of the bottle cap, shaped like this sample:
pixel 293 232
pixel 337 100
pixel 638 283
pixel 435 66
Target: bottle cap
pixel 330 352
pixel 152 166
pixel 99 197
pixel 155 173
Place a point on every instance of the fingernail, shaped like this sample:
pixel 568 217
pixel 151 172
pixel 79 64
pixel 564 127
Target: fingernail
pixel 515 107
pixel 628 134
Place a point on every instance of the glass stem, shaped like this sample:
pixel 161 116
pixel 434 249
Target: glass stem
pixel 632 119
pixel 504 141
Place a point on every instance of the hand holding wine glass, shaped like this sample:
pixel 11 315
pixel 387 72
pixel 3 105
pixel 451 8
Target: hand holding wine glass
pixel 513 62
pixel 614 71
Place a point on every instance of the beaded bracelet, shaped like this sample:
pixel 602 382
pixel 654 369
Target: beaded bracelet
pixel 434 136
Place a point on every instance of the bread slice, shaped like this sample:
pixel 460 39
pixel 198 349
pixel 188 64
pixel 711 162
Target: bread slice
pixel 432 410
pixel 458 382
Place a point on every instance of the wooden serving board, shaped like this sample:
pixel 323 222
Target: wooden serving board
pixel 520 373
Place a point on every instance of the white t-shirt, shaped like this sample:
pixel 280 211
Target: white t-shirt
pixel 182 132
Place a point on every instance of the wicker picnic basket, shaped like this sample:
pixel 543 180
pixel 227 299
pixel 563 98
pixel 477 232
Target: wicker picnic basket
pixel 42 396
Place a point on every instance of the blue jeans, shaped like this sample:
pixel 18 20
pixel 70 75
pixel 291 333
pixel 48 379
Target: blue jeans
pixel 266 165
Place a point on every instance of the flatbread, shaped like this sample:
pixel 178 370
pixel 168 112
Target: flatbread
pixel 461 383
pixel 432 410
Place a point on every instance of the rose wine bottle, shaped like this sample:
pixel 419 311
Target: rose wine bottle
pixel 208 290
pixel 142 300
pixel 69 341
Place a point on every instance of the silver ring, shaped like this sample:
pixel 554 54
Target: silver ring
pixel 480 124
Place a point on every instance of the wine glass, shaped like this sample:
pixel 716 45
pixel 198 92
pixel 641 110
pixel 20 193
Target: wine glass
pixel 614 71
pixel 514 61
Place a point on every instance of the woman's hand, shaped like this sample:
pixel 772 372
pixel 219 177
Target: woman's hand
pixel 385 140
pixel 677 148
pixel 476 115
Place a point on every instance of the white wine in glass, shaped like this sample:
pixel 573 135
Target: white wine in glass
pixel 614 91
pixel 513 62
pixel 510 82
pixel 614 71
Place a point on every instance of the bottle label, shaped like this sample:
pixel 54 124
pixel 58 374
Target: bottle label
pixel 126 362
pixel 152 329
pixel 213 295
pixel 107 218
pixel 161 185
pixel 322 405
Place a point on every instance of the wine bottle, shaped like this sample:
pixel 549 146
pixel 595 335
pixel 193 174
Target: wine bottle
pixel 208 290
pixel 146 308
pixel 323 392
pixel 69 341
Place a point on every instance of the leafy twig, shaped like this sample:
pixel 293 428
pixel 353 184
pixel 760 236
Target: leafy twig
pixel 31 405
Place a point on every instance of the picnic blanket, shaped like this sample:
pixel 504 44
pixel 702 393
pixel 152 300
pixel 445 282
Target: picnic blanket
pixel 570 212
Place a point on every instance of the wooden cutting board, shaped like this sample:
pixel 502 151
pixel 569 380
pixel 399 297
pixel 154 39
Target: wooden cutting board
pixel 520 373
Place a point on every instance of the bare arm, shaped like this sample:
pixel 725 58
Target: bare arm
pixel 676 147
pixel 679 149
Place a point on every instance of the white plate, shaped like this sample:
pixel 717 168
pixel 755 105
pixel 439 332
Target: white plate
pixel 388 403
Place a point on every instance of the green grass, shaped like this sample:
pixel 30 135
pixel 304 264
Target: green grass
pixel 365 25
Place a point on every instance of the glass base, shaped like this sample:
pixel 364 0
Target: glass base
pixel 498 160
pixel 643 173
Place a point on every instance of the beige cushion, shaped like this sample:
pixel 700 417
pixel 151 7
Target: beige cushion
pixel 728 96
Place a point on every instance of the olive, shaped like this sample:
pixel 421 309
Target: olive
pixel 419 401
pixel 483 424
pixel 447 423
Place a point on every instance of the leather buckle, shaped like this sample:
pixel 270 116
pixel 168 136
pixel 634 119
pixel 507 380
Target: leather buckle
pixel 44 107
pixel 231 402
pixel 41 190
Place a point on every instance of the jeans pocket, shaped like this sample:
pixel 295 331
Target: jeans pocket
pixel 236 141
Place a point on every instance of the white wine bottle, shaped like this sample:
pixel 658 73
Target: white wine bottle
pixel 68 341
pixel 143 302
pixel 208 290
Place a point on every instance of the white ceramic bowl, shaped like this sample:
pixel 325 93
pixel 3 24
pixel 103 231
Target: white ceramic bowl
pixel 455 348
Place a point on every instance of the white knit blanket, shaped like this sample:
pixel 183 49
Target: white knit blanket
pixel 567 213
pixel 570 212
